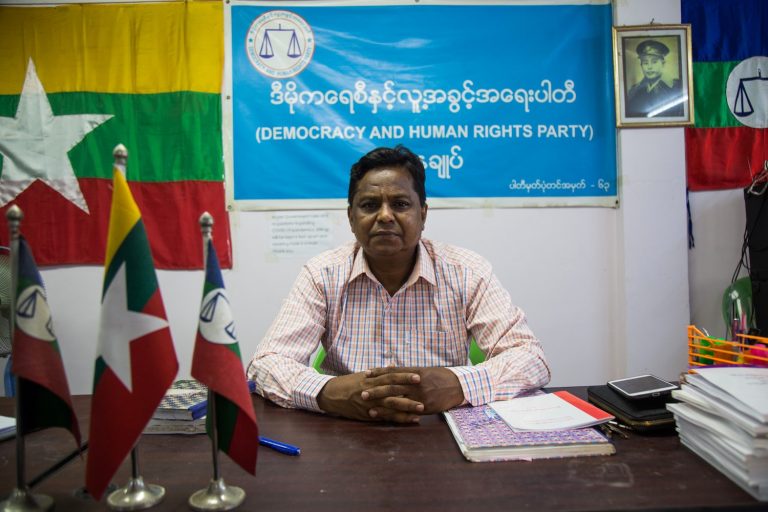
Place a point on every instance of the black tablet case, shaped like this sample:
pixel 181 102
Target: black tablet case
pixel 641 415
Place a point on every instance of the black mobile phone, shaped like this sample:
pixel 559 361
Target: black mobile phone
pixel 641 386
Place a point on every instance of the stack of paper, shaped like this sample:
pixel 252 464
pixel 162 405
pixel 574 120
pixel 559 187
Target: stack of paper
pixel 551 411
pixel 181 411
pixel 7 427
pixel 723 417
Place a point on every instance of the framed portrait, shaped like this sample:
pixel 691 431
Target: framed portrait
pixel 652 74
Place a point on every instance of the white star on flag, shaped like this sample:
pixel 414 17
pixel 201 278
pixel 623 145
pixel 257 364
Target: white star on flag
pixel 34 144
pixel 120 326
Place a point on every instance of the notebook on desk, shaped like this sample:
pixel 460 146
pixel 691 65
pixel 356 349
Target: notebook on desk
pixel 484 437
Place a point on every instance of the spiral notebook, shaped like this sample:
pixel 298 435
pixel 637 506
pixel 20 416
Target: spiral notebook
pixel 482 436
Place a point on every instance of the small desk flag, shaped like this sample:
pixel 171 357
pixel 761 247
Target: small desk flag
pixel 136 361
pixel 217 363
pixel 43 388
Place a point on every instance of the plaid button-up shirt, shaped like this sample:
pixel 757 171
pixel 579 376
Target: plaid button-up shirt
pixel 450 297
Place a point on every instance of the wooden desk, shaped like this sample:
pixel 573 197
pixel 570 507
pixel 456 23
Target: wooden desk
pixel 347 465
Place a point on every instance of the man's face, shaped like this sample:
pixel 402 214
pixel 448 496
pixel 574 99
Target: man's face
pixel 386 216
pixel 652 66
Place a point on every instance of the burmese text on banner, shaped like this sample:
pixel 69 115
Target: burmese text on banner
pixel 507 103
pixel 77 80
pixel 728 144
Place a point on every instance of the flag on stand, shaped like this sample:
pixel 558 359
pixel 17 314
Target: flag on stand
pixel 728 144
pixel 136 361
pixel 217 363
pixel 78 79
pixel 37 363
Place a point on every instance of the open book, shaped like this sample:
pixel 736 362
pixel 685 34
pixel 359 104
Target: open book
pixel 483 436
pixel 550 411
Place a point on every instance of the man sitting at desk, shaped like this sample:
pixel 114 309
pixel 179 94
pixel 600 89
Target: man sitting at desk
pixel 395 314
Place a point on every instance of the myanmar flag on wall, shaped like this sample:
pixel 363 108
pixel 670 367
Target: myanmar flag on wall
pixel 728 144
pixel 216 362
pixel 77 80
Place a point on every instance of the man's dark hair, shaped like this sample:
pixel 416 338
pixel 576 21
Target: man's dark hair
pixel 399 156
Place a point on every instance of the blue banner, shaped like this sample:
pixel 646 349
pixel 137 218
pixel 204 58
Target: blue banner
pixel 507 104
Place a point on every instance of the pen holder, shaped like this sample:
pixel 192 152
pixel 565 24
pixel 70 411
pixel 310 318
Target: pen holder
pixel 707 351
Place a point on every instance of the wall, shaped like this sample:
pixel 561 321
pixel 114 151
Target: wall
pixel 718 228
pixel 606 290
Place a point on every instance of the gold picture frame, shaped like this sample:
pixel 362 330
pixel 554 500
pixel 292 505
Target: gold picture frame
pixel 652 75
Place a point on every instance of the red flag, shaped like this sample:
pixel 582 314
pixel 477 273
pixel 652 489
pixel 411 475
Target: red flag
pixel 728 145
pixel 43 388
pixel 136 361
pixel 216 363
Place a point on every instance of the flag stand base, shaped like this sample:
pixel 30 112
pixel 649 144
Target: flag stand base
pixel 218 496
pixel 21 500
pixel 136 495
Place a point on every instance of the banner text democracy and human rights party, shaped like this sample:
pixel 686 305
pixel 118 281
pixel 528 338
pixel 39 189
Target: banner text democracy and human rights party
pixel 507 103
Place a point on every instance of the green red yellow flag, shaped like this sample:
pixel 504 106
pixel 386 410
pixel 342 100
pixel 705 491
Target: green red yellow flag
pixel 77 80
pixel 136 362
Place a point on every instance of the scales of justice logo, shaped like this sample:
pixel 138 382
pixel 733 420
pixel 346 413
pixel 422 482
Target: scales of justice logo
pixel 33 315
pixel 747 92
pixel 280 44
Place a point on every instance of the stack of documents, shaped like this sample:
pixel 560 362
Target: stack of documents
pixel 7 427
pixel 551 411
pixel 182 410
pixel 723 417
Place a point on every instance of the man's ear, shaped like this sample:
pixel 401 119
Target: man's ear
pixel 424 215
pixel 349 217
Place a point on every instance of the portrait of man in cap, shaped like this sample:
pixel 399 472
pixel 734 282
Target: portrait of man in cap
pixel 654 95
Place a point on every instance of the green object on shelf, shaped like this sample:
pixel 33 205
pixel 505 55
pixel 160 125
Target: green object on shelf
pixel 705 360
pixel 737 299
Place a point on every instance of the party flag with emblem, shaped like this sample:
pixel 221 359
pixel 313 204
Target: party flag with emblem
pixel 78 79
pixel 136 361
pixel 216 362
pixel 42 382
pixel 728 144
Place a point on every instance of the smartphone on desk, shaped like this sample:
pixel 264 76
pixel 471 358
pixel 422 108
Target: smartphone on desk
pixel 641 386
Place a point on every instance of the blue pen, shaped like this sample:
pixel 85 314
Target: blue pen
pixel 280 447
